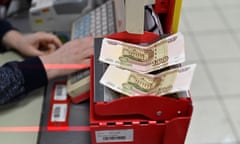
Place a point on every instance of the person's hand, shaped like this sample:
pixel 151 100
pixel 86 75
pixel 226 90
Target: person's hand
pixel 35 44
pixel 67 58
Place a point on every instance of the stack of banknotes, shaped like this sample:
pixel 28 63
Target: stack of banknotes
pixel 137 70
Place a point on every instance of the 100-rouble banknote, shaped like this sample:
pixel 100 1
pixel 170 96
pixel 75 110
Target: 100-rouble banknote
pixel 165 52
pixel 131 83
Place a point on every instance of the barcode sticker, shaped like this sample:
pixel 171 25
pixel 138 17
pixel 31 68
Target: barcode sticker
pixel 106 136
pixel 59 113
pixel 60 92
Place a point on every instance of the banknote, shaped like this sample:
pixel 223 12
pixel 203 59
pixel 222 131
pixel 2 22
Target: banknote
pixel 163 53
pixel 132 83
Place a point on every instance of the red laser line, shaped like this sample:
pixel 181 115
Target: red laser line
pixel 66 66
pixel 69 128
pixel 20 129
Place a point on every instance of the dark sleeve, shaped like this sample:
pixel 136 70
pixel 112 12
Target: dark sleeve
pixel 4 28
pixel 19 78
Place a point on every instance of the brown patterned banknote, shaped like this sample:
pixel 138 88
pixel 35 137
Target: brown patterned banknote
pixel 163 53
pixel 132 83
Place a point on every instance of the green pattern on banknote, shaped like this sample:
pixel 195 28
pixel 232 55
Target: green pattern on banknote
pixel 137 54
pixel 142 83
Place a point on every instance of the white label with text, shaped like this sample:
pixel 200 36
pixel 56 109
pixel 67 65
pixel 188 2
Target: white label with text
pixel 60 92
pixel 105 136
pixel 59 113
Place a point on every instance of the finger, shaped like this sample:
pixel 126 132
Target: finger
pixel 89 41
pixel 88 52
pixel 46 47
pixel 35 52
pixel 85 45
pixel 86 61
pixel 57 41
pixel 48 38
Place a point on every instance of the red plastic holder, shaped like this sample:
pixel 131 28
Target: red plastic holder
pixel 59 107
pixel 165 11
pixel 139 120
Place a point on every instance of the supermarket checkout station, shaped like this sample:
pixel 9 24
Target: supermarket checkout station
pixel 32 120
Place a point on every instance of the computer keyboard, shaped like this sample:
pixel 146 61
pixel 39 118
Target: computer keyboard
pixel 98 22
